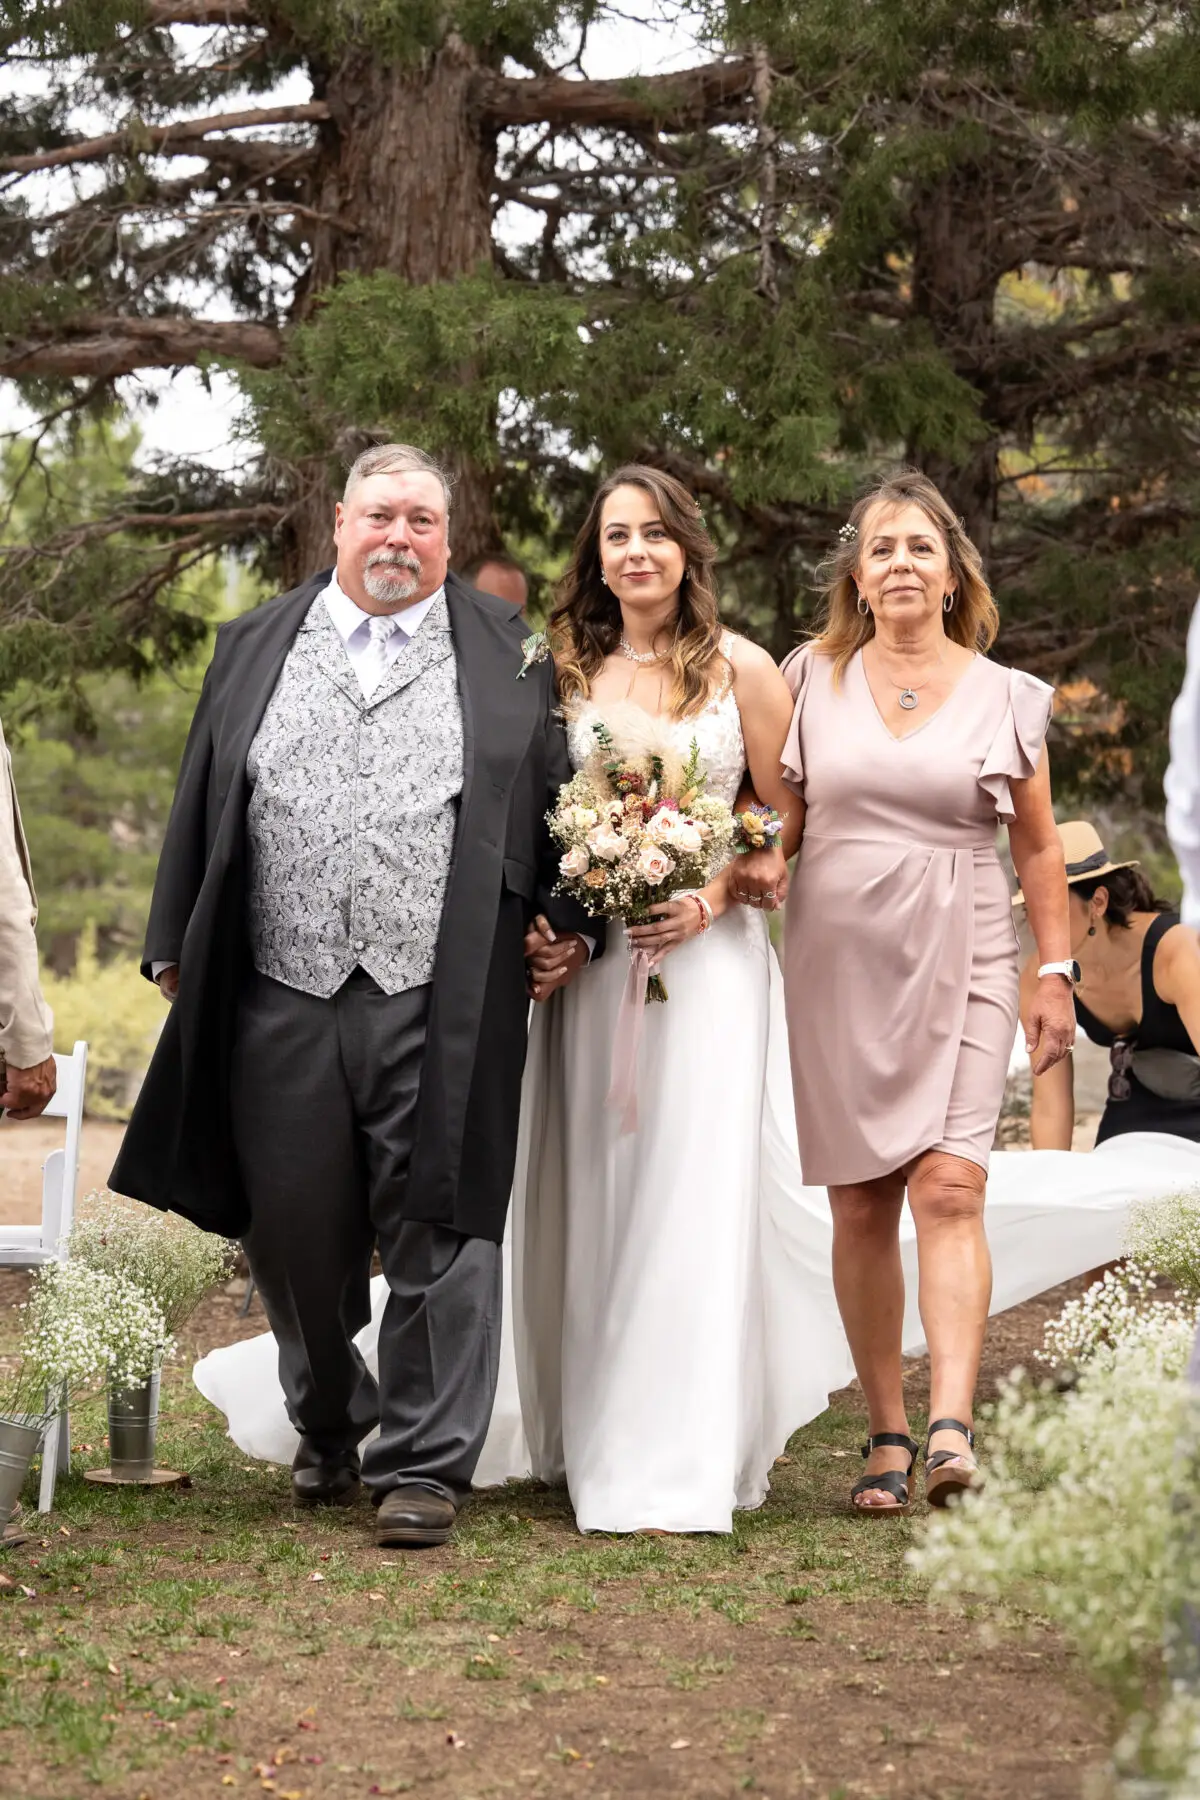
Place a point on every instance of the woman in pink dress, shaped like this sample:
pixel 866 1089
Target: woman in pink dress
pixel 907 748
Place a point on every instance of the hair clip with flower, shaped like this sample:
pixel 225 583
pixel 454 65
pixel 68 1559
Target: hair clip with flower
pixel 535 649
pixel 848 534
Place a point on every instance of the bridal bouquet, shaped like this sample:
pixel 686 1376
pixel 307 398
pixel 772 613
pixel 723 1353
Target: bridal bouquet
pixel 635 825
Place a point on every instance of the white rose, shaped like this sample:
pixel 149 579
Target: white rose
pixel 614 811
pixel 661 824
pixel 606 843
pixel 653 865
pixel 575 862
pixel 686 839
pixel 582 818
pixel 702 828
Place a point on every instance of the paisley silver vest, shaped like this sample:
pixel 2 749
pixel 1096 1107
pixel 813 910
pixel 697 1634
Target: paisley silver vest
pixel 352 811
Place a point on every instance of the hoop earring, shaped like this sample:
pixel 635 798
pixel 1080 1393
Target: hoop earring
pixel 948 603
pixel 864 605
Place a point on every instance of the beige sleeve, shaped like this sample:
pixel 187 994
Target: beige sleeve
pixel 26 1022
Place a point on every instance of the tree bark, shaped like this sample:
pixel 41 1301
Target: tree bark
pixel 407 162
pixel 958 261
pixel 682 101
pixel 103 346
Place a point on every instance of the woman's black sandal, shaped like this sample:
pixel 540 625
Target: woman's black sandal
pixel 948 1473
pixel 888 1481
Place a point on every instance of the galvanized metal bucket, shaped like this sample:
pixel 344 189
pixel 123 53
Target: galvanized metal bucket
pixel 132 1429
pixel 19 1439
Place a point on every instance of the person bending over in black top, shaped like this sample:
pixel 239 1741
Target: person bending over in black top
pixel 1138 994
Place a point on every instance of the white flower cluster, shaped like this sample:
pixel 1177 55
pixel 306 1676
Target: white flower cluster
pixel 1166 1234
pixel 1090 1516
pixel 168 1259
pixel 87 1325
pixel 1120 1308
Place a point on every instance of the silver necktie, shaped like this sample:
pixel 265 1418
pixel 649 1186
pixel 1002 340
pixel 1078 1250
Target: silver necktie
pixel 376 661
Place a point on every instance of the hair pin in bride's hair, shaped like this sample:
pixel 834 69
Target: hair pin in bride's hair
pixel 848 534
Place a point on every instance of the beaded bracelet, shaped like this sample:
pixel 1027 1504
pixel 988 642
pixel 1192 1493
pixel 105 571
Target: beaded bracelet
pixel 756 827
pixel 706 911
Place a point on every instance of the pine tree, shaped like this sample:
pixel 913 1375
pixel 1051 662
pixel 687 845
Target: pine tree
pixel 95 761
pixel 954 231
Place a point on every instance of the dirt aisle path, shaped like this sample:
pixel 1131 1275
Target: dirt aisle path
pixel 24 1148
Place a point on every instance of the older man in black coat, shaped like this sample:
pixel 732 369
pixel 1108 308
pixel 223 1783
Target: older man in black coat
pixel 355 854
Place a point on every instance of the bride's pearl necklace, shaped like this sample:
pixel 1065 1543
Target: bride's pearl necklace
pixel 638 656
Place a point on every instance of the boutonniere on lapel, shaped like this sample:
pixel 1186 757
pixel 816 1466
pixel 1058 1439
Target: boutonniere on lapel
pixel 534 649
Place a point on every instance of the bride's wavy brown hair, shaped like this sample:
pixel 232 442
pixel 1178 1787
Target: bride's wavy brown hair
pixel 585 625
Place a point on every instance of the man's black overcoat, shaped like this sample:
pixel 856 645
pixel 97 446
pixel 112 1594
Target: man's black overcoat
pixel 178 1149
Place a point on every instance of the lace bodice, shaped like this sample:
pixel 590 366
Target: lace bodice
pixel 717 731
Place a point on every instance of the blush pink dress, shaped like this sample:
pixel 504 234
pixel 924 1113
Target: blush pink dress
pixel 900 953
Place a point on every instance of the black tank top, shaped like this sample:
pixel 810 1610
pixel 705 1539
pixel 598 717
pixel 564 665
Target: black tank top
pixel 1161 1028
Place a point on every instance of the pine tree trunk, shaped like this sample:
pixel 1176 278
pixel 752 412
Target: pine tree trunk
pixel 956 268
pixel 406 168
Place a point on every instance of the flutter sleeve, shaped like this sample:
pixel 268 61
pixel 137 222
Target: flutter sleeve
pixel 1016 749
pixel 796 669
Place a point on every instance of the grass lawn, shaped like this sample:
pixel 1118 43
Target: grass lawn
pixel 215 1641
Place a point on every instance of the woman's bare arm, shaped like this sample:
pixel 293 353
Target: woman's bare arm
pixel 1052 1111
pixel 1177 977
pixel 1038 859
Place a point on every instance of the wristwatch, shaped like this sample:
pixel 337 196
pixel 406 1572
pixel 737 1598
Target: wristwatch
pixel 1070 969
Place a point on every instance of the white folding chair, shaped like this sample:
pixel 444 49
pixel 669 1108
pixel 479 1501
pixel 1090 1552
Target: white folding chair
pixel 31 1246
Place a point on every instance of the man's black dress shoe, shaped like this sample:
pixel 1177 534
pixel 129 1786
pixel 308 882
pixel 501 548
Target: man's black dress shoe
pixel 413 1518
pixel 325 1480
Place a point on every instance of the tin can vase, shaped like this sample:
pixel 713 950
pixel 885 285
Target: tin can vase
pixel 19 1439
pixel 132 1429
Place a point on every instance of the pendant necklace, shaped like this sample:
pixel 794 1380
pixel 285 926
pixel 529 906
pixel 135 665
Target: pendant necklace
pixel 910 695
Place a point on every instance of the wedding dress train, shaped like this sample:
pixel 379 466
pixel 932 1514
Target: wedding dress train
pixel 1050 1215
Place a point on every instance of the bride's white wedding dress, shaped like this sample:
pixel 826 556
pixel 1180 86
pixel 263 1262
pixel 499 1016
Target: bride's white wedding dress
pixel 669 1309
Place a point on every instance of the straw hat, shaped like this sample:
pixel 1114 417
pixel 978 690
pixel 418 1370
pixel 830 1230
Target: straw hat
pixel 1085 855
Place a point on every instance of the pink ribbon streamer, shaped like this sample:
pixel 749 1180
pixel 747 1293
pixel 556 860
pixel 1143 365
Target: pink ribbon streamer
pixel 622 1092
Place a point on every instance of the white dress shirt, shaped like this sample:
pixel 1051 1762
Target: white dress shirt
pixel 353 626
pixel 1182 782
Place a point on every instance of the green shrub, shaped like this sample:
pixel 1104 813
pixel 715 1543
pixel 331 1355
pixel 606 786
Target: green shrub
pixel 118 1012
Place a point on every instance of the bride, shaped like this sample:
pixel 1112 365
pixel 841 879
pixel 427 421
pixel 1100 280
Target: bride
pixel 637 1258
pixel 669 1309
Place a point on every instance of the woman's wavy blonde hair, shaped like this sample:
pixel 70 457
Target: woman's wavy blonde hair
pixel 585 625
pixel 973 620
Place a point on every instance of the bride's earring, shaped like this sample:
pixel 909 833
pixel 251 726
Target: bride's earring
pixel 603 578
pixel 863 605
pixel 948 603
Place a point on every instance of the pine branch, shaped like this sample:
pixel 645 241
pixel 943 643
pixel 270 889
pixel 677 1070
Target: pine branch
pixel 1016 402
pixel 708 95
pixel 200 12
pixel 106 346
pixel 180 139
pixel 227 524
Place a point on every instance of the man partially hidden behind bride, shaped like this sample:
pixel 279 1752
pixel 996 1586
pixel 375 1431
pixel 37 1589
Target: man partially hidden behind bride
pixel 356 847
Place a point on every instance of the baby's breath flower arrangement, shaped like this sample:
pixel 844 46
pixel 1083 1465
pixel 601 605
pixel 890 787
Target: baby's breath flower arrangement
pixel 635 825
pixel 1090 1515
pixel 1076 1522
pixel 84 1326
pixel 1165 1235
pixel 1122 1308
pixel 166 1258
